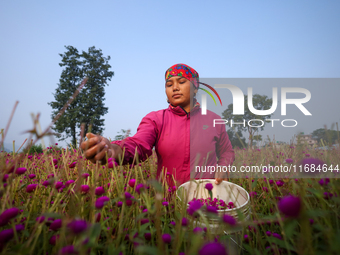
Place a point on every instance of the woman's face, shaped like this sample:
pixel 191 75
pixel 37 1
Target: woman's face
pixel 179 91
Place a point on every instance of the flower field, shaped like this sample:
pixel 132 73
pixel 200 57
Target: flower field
pixel 57 202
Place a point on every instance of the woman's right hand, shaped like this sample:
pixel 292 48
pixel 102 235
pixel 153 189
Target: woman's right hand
pixel 96 147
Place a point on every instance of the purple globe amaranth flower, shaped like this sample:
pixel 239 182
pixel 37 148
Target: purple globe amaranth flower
pixel 55 225
pixel 209 186
pixel 77 226
pixel 165 203
pixel 144 221
pixel 7 234
pixel 265 189
pixel 119 203
pixel 31 187
pixel 212 209
pixel 85 175
pixel 229 219
pixel 112 163
pixel 289 160
pixel 101 201
pixel 147 236
pixel 55 161
pixel 132 183
pixel 72 165
pixel 290 206
pixel 127 195
pixel 20 170
pixel 58 185
pixel 268 233
pixel 185 222
pixel 31 176
pixel 166 238
pixel 128 202
pixel 312 161
pixel 4 179
pixel 69 182
pixel 194 206
pixel 253 194
pixel 278 236
pixel 197 230
pixel 53 239
pixel 213 248
pixel 140 187
pixel 84 188
pixel 99 191
pixel 280 183
pixel 7 215
pixel 40 219
pixel 67 250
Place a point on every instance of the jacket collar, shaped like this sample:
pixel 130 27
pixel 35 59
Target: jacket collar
pixel 178 110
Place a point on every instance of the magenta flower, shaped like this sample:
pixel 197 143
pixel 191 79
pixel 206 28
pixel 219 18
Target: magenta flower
pixel 128 202
pixel 265 189
pixel 280 183
pixel 194 206
pixel 278 236
pixel 185 222
pixel 72 165
pixel 307 155
pixel 211 209
pixel 144 221
pixel 40 219
pixel 20 170
pixel 289 160
pixel 101 201
pixel 99 191
pixel 85 175
pixel 166 238
pixel 67 250
pixel 312 161
pixel 253 194
pixel 290 206
pixel 58 185
pixel 229 219
pixel 127 195
pixel 4 179
pixel 147 236
pixel 55 161
pixel 112 163
pixel 213 248
pixel 31 176
pixel 209 186
pixel 173 223
pixel 55 225
pixel 69 182
pixel 31 187
pixel 77 226
pixel 165 203
pixel 268 233
pixel 139 188
pixel 53 239
pixel 132 183
pixel 7 234
pixel 119 203
pixel 197 230
pixel 84 188
pixel 7 215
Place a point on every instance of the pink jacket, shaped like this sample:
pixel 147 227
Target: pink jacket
pixel 183 142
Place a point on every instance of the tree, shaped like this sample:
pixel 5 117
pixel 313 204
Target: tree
pixel 330 136
pixel 88 106
pixel 237 140
pixel 259 103
pixel 122 134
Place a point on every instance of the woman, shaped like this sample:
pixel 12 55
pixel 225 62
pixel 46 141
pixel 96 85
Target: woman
pixel 182 141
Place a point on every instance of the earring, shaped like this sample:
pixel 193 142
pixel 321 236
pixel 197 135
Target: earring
pixel 168 101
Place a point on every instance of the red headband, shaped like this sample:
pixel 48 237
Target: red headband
pixel 183 71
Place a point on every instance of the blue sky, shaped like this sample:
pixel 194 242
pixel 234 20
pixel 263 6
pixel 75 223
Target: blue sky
pixel 220 39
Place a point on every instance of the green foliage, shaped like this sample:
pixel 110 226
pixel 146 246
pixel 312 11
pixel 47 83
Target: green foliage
pixel 327 136
pixel 122 134
pixel 88 107
pixel 34 149
pixel 236 138
pixel 259 103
